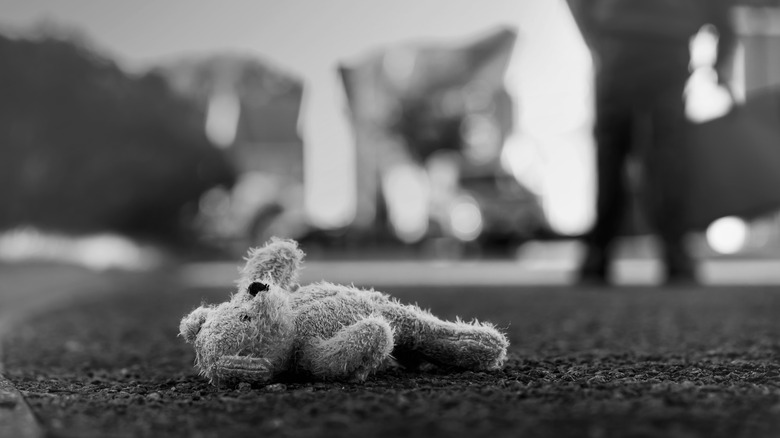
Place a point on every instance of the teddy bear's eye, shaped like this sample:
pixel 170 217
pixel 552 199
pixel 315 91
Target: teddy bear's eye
pixel 245 318
pixel 257 287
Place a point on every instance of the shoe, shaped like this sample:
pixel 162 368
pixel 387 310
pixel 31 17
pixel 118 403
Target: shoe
pixel 681 275
pixel 680 268
pixel 679 279
pixel 593 271
pixel 592 280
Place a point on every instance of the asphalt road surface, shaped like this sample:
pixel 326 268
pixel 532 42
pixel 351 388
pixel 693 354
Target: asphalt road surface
pixel 628 361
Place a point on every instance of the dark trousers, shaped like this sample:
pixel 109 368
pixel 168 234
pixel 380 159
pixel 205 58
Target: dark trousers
pixel 640 110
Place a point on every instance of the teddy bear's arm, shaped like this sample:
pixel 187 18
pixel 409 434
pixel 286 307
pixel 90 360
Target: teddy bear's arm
pixel 352 353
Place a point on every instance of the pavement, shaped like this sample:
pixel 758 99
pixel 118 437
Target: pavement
pixel 16 418
pixel 27 289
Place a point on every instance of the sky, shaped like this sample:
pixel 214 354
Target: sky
pixel 549 73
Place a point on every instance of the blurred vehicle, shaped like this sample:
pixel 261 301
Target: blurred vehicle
pixel 430 124
pixel 258 207
pixel 510 213
pixel 479 207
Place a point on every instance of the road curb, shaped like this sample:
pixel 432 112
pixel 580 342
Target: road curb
pixel 64 285
pixel 16 417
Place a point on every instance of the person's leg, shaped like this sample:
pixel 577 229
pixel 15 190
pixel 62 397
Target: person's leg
pixel 612 134
pixel 666 174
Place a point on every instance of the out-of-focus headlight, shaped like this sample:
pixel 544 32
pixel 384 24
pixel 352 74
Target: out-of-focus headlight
pixel 727 235
pixel 466 219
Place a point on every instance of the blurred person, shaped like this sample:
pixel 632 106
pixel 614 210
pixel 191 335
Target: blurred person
pixel 641 59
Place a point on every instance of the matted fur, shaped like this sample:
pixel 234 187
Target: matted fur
pixel 327 331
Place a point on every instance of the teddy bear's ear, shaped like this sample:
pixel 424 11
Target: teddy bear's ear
pixel 278 263
pixel 190 324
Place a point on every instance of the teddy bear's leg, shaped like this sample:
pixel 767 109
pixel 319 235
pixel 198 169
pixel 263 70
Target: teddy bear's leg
pixel 475 346
pixel 352 353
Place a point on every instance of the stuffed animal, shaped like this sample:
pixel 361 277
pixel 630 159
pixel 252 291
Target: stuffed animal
pixel 325 331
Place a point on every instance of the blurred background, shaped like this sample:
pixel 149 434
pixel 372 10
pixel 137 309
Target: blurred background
pixel 442 130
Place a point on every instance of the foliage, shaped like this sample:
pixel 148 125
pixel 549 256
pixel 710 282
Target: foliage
pixel 85 147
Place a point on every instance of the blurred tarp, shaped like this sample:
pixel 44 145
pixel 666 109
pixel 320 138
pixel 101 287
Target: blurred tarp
pixel 269 100
pixel 85 147
pixel 263 105
pixel 735 161
pixel 422 92
pixel 419 103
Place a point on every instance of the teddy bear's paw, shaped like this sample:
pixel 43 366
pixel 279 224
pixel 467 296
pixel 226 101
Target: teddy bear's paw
pixel 231 369
pixel 469 354
pixel 483 348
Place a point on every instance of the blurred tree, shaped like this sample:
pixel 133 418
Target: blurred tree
pixel 85 147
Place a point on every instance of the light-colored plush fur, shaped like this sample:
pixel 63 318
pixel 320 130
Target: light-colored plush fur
pixel 327 331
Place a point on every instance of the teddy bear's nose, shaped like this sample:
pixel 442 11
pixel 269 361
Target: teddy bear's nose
pixel 257 287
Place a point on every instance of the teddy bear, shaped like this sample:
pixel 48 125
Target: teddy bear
pixel 273 326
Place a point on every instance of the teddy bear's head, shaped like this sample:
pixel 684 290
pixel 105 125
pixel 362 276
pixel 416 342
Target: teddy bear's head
pixel 250 337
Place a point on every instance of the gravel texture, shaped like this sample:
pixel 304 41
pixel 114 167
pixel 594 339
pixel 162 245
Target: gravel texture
pixel 620 362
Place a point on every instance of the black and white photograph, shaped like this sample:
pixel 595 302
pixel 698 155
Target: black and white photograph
pixel 364 218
